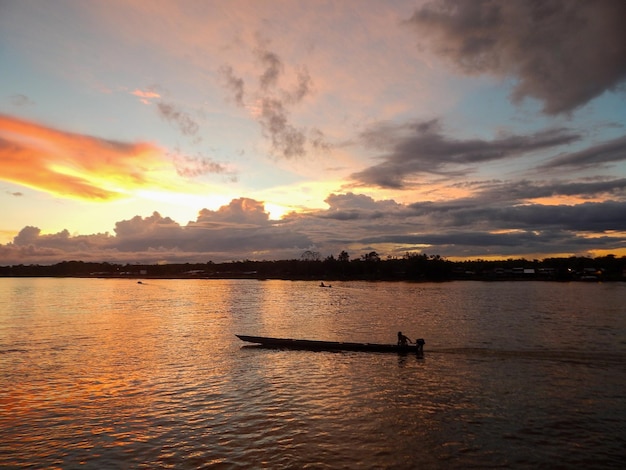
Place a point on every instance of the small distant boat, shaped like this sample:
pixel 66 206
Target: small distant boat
pixel 313 345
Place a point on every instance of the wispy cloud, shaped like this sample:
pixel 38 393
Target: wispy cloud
pixel 181 119
pixel 595 156
pixel 196 165
pixel 420 148
pixel 145 96
pixel 519 192
pixel 20 100
pixel 234 84
pixel 271 103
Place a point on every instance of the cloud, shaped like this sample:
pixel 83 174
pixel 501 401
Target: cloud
pixel 518 192
pixel 185 123
pixel 352 206
pixel 191 166
pixel 170 112
pixel 585 217
pixel 474 226
pixel 239 230
pixel 304 84
pixel 20 100
pixel 242 212
pixel 273 67
pixel 285 138
pixel 592 157
pixel 419 148
pixel 233 83
pixel 73 165
pixel 357 223
pixel 145 96
pixel 150 233
pixel 561 52
pixel 271 104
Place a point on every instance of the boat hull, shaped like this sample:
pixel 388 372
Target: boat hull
pixel 312 345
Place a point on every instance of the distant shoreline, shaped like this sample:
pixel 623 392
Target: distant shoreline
pixel 318 279
pixel 412 267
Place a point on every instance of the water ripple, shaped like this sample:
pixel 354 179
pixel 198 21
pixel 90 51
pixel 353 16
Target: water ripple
pixel 106 376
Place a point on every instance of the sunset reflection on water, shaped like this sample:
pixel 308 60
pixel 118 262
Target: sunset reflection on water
pixel 112 373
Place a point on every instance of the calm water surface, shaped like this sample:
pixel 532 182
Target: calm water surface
pixel 115 374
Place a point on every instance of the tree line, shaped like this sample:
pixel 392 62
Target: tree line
pixel 369 266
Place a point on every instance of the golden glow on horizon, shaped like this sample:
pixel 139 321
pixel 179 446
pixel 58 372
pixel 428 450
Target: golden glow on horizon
pixel 606 233
pixel 505 231
pixel 7 236
pixel 618 253
pixel 563 200
pixel 276 211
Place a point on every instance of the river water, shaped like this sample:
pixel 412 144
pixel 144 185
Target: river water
pixel 112 373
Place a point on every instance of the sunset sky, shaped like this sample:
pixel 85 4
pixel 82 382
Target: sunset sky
pixel 197 130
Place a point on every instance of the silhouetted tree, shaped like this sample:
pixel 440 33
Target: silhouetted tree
pixel 310 255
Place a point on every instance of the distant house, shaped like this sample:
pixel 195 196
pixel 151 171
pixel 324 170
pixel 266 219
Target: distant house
pixel 545 270
pixel 590 274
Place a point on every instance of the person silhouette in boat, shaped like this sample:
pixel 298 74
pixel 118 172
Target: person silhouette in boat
pixel 403 340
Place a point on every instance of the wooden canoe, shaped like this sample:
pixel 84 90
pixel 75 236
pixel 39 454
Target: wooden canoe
pixel 313 345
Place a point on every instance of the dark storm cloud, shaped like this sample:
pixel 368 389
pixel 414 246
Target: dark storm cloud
pixel 562 52
pixel 515 192
pixel 586 217
pixel 592 157
pixel 418 148
pixel 480 243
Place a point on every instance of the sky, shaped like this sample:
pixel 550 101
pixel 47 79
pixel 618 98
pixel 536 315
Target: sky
pixel 170 131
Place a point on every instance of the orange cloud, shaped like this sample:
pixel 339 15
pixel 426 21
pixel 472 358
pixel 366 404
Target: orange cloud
pixel 73 165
